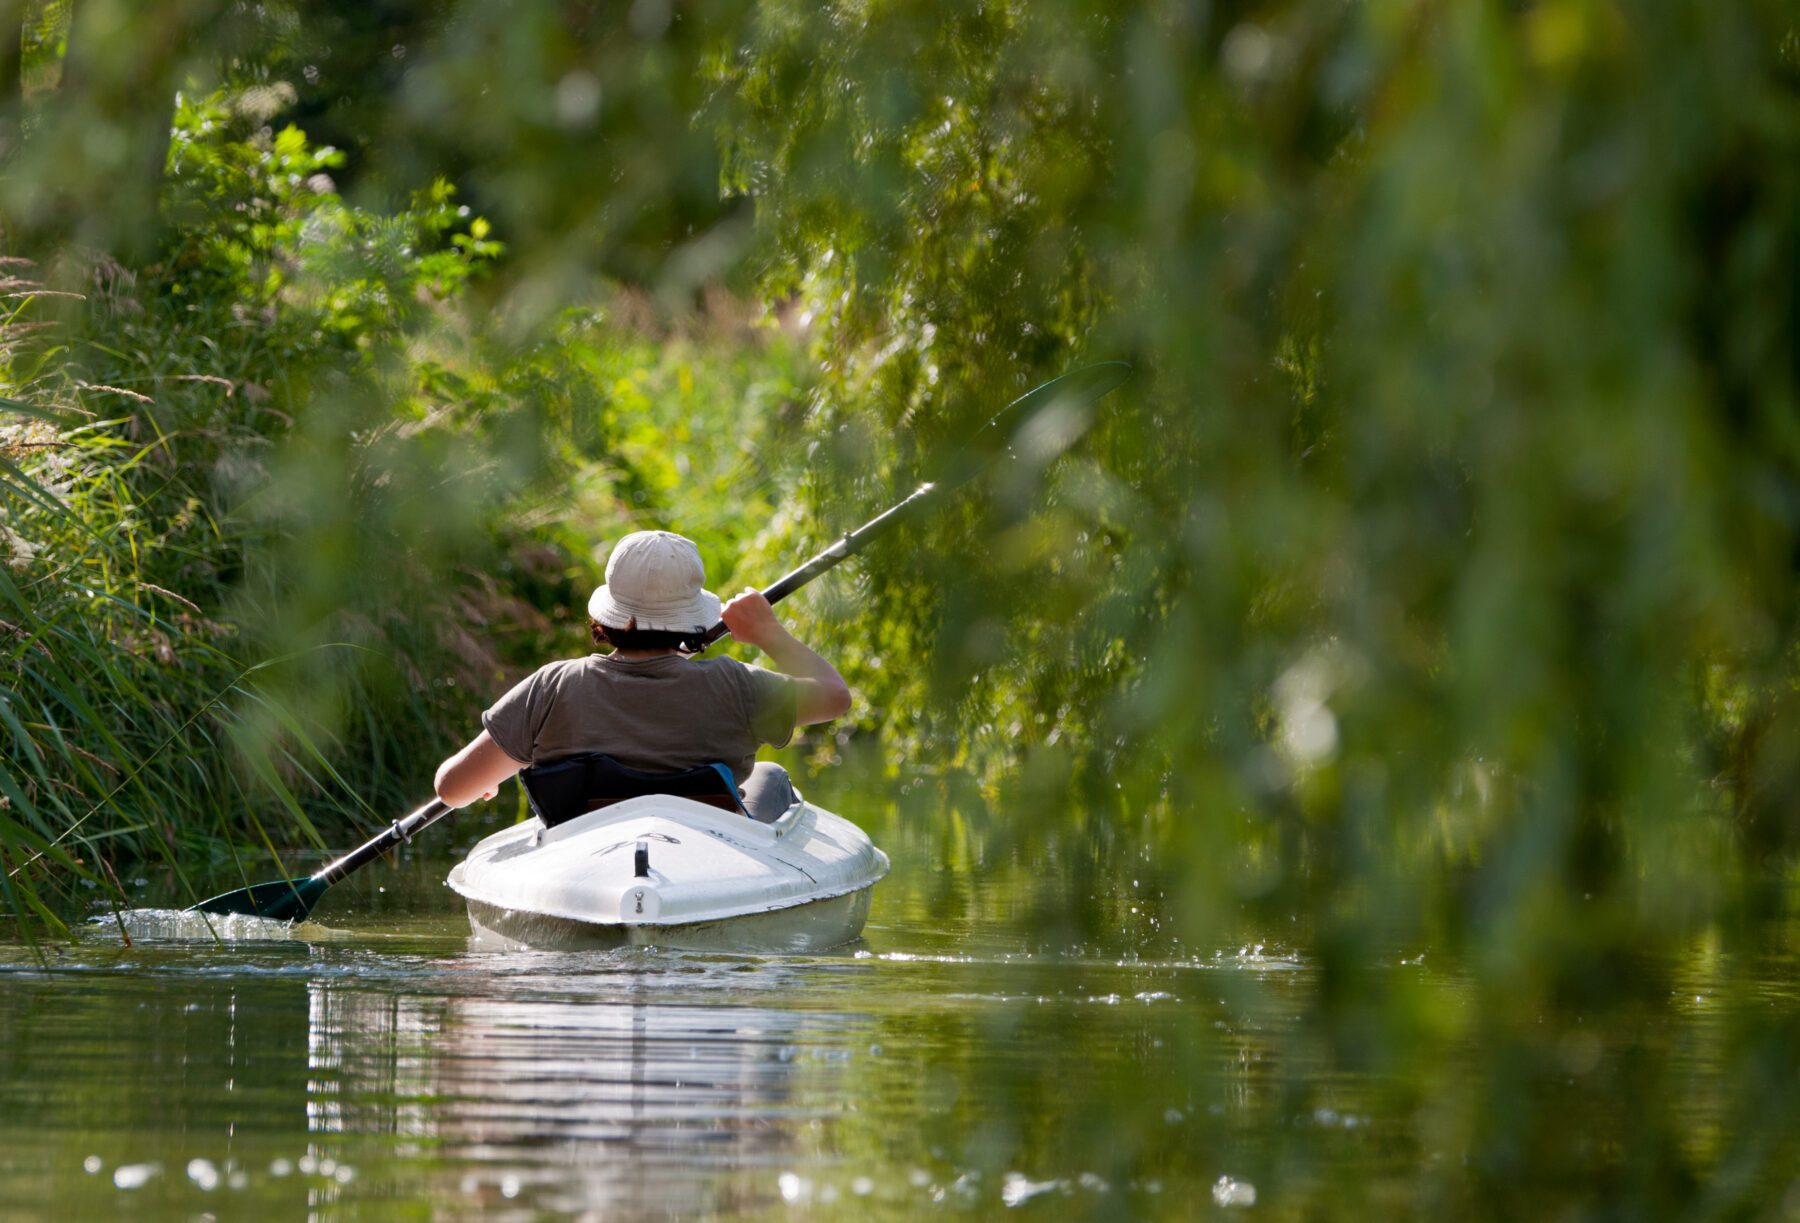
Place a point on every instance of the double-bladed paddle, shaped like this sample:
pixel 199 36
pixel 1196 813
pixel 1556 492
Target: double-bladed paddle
pixel 1070 395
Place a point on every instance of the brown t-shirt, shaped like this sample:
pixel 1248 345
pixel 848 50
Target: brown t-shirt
pixel 661 715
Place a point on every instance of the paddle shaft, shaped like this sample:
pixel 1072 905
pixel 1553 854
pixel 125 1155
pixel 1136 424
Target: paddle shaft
pixel 293 899
pixel 397 833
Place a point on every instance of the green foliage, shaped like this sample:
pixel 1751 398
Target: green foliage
pixel 1393 593
pixel 122 701
pixel 1437 405
pixel 290 511
pixel 1431 588
pixel 255 217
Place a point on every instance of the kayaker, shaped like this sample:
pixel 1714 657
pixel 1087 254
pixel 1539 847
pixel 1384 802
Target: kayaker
pixel 650 704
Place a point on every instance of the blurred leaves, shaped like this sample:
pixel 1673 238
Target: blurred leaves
pixel 1433 582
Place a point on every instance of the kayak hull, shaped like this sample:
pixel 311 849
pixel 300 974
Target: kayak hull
pixel 670 872
pixel 797 930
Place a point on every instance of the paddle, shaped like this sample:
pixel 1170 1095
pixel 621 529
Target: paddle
pixel 293 899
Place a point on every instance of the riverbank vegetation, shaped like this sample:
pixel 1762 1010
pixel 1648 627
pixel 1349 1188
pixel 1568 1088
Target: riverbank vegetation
pixel 1434 580
pixel 275 535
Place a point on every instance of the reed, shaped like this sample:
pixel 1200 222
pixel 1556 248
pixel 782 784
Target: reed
pixel 246 605
pixel 121 693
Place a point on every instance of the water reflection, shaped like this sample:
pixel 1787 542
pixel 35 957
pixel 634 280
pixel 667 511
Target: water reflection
pixel 576 1087
pixel 969 1059
pixel 966 1059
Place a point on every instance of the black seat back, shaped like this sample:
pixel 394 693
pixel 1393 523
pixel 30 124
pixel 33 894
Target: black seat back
pixel 567 788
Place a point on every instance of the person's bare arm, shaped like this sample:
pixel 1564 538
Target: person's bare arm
pixel 822 692
pixel 475 772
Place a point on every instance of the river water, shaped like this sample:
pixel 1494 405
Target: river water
pixel 968 1056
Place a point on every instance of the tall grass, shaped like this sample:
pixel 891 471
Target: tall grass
pixel 281 512
pixel 124 701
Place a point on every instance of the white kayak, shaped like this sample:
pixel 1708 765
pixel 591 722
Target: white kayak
pixel 671 872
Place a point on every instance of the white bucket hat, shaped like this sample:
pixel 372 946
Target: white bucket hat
pixel 657 579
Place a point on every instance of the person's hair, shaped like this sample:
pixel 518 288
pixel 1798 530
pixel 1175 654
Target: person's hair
pixel 643 638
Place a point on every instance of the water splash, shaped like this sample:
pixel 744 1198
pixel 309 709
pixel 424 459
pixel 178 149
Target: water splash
pixel 1228 1192
pixel 1017 1188
pixel 135 1176
pixel 183 925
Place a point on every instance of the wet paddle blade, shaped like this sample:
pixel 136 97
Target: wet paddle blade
pixel 1079 386
pixel 1058 406
pixel 283 900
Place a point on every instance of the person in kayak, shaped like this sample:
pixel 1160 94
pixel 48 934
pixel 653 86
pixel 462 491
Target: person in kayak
pixel 649 704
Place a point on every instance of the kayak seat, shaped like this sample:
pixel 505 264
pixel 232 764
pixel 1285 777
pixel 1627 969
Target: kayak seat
pixel 564 789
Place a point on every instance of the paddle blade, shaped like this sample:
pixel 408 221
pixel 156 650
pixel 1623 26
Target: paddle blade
pixel 283 900
pixel 1057 411
pixel 1079 386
